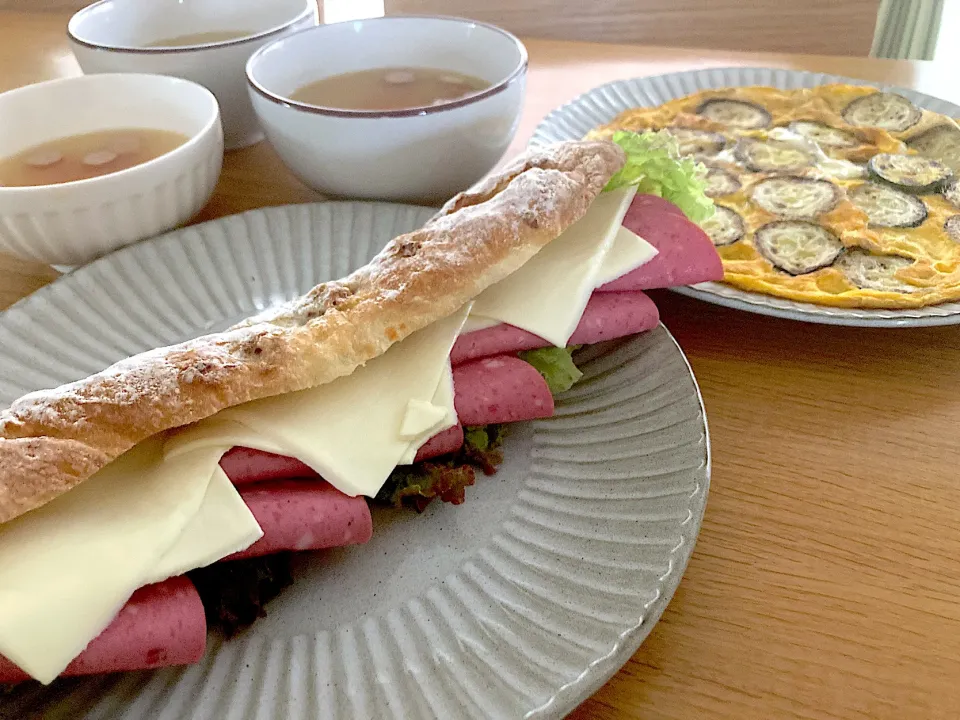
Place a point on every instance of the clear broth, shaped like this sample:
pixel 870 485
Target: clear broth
pixel 201 38
pixel 394 88
pixel 79 157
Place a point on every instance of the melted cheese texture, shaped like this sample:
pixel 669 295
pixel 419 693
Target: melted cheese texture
pixel 933 276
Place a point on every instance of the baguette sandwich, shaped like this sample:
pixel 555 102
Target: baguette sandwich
pixel 142 504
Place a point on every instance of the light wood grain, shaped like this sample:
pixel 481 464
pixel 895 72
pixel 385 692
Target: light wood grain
pixel 825 581
pixel 799 26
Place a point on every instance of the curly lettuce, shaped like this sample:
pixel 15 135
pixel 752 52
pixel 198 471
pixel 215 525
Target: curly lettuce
pixel 416 486
pixel 654 165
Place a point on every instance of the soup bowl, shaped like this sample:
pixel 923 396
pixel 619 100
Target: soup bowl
pixel 419 154
pixel 74 222
pixel 121 36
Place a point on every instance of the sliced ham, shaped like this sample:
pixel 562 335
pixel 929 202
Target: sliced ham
pixel 607 316
pixel 161 625
pixel 245 465
pixel 304 515
pixel 500 389
pixel 685 254
pixel 443 443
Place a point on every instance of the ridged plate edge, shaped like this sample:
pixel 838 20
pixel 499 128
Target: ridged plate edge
pixel 618 479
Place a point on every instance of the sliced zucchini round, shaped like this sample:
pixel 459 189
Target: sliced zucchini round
pixel 797 247
pixel 721 182
pixel 887 111
pixel 951 191
pixel 888 207
pixel 724 227
pixel 952 227
pixel 735 113
pixel 911 173
pixel 875 272
pixel 941 142
pixel 796 198
pixel 697 142
pixel 772 156
pixel 823 134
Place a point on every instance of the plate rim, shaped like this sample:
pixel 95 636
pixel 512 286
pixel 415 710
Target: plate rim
pixel 565 697
pixel 939 315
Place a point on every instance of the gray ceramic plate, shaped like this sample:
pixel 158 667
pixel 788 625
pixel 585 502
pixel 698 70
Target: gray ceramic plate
pixel 602 104
pixel 519 603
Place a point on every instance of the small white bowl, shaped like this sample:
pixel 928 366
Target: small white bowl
pixel 420 154
pixel 73 223
pixel 112 35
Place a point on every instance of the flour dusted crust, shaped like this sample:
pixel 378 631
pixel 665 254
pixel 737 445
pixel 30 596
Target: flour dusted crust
pixel 54 439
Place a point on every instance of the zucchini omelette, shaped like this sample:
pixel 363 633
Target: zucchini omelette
pixel 838 195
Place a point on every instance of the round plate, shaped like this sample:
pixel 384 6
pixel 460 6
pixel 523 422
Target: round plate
pixel 602 104
pixel 519 603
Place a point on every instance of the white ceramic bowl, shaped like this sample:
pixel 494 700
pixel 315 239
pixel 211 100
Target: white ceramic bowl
pixel 111 35
pixel 72 223
pixel 420 154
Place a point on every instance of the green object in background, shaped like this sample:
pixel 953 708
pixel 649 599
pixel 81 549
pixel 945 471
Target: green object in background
pixel 907 29
pixel 654 165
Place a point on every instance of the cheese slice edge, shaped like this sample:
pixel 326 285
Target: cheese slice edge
pixel 548 294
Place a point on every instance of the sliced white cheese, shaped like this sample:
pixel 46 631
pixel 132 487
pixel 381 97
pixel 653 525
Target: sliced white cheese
pixel 442 398
pixel 477 322
pixel 422 416
pixel 222 526
pixel 548 294
pixel 629 251
pixel 68 567
pixel 350 431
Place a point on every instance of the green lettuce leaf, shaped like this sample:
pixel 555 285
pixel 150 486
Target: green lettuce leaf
pixel 416 486
pixel 556 366
pixel 654 165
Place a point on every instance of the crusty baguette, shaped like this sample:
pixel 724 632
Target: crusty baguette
pixel 53 439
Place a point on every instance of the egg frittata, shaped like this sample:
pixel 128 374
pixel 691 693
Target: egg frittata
pixel 839 195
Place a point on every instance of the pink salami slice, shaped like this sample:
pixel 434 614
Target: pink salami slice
pixel 161 625
pixel 606 317
pixel 304 515
pixel 442 443
pixel 245 465
pixel 685 254
pixel 500 389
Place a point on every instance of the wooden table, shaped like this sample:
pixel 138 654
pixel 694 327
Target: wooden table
pixel 825 581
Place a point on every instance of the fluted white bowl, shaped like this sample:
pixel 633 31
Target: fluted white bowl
pixel 75 222
pixel 115 36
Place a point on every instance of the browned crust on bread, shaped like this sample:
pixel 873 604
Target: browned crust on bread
pixel 54 439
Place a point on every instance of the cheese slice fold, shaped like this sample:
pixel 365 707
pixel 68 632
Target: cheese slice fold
pixel 355 430
pixel 628 252
pixel 68 567
pixel 548 294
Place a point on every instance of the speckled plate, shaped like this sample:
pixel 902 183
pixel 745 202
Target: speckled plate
pixel 518 604
pixel 602 104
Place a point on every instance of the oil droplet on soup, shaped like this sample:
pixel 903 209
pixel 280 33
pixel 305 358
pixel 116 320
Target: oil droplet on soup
pixel 395 88
pixel 79 157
